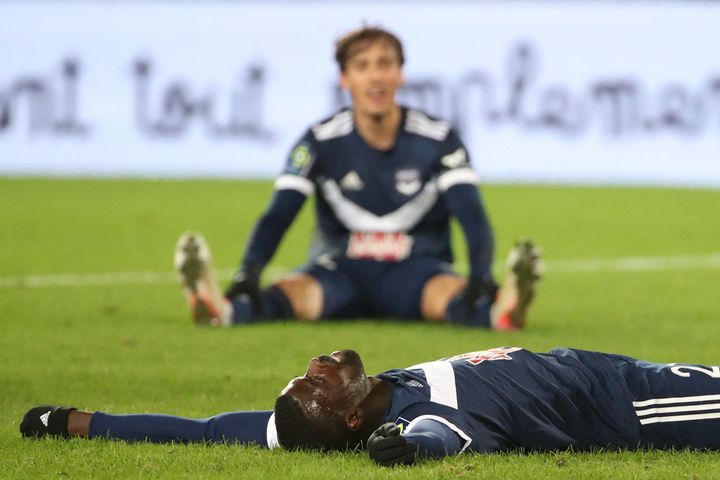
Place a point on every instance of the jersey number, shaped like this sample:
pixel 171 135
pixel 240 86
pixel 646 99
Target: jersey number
pixel 712 372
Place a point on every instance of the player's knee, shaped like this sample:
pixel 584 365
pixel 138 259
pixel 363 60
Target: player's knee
pixel 304 294
pixel 437 294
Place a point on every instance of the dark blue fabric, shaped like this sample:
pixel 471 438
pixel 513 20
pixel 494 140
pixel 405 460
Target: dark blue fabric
pixel 434 439
pixel 476 315
pixel 275 306
pixel 464 203
pixel 367 288
pixel 387 180
pixel 271 227
pixel 509 399
pixel 246 427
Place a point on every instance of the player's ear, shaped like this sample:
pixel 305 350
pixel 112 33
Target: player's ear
pixel 343 81
pixel 354 420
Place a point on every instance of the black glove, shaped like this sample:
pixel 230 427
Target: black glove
pixel 476 288
pixel 246 282
pixel 387 447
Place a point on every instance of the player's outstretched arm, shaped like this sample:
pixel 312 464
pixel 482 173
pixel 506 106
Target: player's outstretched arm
pixel 245 427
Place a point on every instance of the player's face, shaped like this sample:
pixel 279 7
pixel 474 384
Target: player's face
pixel 332 383
pixel 372 76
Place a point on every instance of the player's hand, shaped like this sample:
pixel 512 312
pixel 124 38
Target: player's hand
pixel 476 288
pixel 387 447
pixel 246 282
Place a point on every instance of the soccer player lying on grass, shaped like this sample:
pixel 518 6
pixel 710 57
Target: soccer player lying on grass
pixel 386 179
pixel 495 400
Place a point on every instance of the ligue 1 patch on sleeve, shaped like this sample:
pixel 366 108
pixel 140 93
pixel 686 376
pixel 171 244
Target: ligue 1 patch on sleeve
pixel 300 158
pixel 382 246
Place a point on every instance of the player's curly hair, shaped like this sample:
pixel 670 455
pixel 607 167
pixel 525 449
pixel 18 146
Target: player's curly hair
pixel 351 43
pixel 298 432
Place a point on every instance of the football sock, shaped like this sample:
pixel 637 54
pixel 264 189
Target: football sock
pixel 274 305
pixel 475 315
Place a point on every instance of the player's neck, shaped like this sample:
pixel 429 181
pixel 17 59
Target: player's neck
pixel 375 405
pixel 379 131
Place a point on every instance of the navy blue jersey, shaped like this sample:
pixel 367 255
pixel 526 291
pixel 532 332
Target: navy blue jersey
pixel 380 205
pixel 510 398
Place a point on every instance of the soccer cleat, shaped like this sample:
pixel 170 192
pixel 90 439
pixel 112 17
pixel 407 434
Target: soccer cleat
pixel 46 420
pixel 524 271
pixel 193 263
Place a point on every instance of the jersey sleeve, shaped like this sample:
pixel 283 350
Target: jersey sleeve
pixel 454 166
pixel 292 187
pixel 436 437
pixel 301 167
pixel 458 183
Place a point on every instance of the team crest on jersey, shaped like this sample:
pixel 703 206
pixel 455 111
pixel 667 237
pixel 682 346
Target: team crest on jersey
pixel 476 358
pixel 407 181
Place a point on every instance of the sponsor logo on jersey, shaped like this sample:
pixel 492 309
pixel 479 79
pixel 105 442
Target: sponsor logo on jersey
pixel 414 383
pixel 385 246
pixel 407 181
pixel 352 181
pixel 491 355
pixel 455 159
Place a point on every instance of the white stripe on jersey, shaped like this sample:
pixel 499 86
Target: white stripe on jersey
pixel 450 425
pixel 356 218
pixel 682 408
pixel 288 181
pixel 341 124
pixel 680 418
pixel 271 433
pixel 456 176
pixel 707 404
pixel 440 377
pixel 419 123
pixel 666 400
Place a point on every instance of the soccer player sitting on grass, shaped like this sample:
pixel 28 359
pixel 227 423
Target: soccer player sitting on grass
pixel 495 400
pixel 386 179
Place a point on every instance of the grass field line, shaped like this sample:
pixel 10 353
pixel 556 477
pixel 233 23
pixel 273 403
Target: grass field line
pixel 622 264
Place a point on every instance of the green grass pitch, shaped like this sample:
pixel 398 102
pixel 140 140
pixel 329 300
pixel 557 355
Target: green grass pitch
pixel 127 345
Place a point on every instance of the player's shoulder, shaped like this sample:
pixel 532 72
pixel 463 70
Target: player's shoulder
pixel 422 124
pixel 337 125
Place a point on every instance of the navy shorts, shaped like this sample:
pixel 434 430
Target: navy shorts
pixel 678 405
pixel 653 405
pixel 369 288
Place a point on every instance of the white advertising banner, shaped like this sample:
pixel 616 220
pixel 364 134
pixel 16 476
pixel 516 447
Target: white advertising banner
pixel 576 92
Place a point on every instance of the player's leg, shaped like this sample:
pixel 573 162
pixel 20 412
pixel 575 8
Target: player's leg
pixel 324 289
pixel 208 305
pixel 524 270
pixel 413 289
pixel 247 427
pixel 443 297
pixel 193 263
